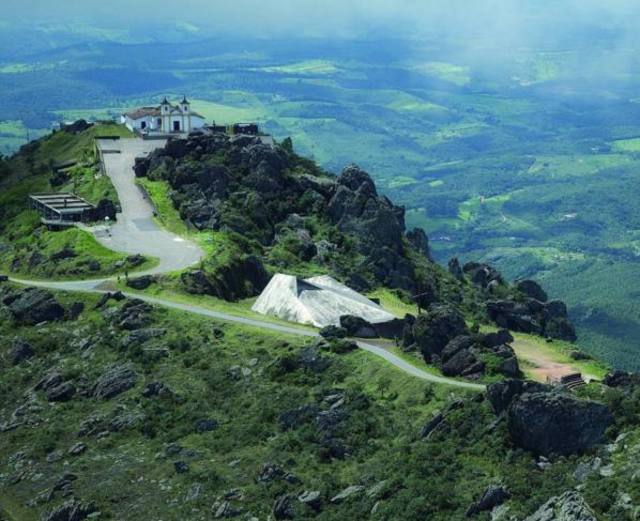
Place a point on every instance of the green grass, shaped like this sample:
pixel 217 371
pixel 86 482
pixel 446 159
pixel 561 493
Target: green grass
pixel 627 145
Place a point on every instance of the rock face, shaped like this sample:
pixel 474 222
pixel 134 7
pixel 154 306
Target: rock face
pixel 570 506
pixel 240 278
pixel 532 290
pixel 532 316
pixel 32 306
pixel 501 394
pixel 553 423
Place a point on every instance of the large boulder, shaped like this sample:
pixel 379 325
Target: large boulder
pixel 141 283
pixel 532 290
pixel 72 510
pixel 482 275
pixel 105 208
pixel 501 394
pixel 33 305
pixel 557 424
pixel 570 506
pixel 622 379
pixel 434 329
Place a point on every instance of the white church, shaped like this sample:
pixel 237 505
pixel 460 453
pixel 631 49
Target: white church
pixel 164 118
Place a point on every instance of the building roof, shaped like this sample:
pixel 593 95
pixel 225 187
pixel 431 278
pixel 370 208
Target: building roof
pixel 319 301
pixel 143 112
pixel 62 203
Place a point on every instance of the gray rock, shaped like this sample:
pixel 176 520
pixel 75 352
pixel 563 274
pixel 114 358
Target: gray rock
pixel 532 289
pixel 61 393
pixel 77 449
pixel 33 305
pixel 21 350
pixel 570 506
pixel 312 499
pixel 125 421
pixel 72 510
pixel 206 425
pixel 551 423
pixel 283 507
pixel 347 493
pixel 358 327
pixel 114 381
pixel 333 332
pixel 141 283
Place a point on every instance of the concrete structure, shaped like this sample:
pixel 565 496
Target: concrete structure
pixel 318 301
pixel 62 208
pixel 164 118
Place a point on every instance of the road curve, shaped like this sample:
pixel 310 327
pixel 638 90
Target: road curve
pixel 136 232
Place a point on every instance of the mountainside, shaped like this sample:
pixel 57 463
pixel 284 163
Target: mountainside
pixel 115 408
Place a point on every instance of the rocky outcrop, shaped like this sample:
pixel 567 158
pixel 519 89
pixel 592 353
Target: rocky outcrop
pixel 623 380
pixel 532 290
pixel 501 394
pixel 358 327
pixel 72 510
pixel 533 316
pixel 483 275
pixel 435 328
pixel 141 283
pixel 556 424
pixel 570 506
pixel 32 306
pixel 114 381
pixel 241 277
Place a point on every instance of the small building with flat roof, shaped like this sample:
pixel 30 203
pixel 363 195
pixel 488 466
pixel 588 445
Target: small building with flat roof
pixel 62 208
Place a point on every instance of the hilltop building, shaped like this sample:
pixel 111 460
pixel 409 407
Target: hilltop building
pixel 164 118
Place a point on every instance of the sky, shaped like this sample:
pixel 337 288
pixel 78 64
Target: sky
pixel 504 21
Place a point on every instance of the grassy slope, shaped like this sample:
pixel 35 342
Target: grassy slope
pixel 30 173
pixel 129 474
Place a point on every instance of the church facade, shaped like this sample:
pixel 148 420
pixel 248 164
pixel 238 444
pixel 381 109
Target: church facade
pixel 164 118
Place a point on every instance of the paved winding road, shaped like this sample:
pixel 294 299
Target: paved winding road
pixel 137 232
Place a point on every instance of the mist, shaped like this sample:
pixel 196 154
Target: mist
pixel 494 22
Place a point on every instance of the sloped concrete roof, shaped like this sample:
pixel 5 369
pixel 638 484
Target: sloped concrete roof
pixel 319 301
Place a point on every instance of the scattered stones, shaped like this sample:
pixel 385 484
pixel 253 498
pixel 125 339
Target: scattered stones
pixel 133 315
pixel 270 472
pixel 570 506
pixel 114 381
pixel 72 510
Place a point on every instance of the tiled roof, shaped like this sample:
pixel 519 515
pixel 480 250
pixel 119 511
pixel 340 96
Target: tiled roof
pixel 142 112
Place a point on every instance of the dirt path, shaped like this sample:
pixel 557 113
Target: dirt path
pixel 539 362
